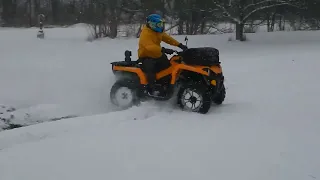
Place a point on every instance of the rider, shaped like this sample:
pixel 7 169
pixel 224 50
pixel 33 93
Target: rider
pixel 150 52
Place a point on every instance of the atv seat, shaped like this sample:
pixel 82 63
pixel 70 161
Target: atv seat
pixel 127 63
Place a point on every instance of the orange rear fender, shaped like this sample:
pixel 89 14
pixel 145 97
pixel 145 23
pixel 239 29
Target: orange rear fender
pixel 138 71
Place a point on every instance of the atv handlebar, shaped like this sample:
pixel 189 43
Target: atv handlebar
pixel 171 51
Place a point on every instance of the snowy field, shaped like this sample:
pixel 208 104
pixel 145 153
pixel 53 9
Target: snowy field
pixel 267 129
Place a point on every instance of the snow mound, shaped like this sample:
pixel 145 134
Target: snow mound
pixel 5 116
pixel 75 125
pixel 14 118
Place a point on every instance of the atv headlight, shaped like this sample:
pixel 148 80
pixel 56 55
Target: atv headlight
pixel 213 82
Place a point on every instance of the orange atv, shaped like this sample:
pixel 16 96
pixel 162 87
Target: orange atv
pixel 196 73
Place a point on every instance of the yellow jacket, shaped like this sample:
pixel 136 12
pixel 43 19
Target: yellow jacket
pixel 149 43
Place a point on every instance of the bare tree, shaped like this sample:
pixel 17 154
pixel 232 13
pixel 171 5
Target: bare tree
pixel 239 11
pixel 104 17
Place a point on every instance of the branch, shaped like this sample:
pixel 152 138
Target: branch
pixel 135 3
pixel 226 11
pixel 265 7
pixel 262 2
pixel 214 27
pixel 257 24
pixel 198 9
pixel 172 27
pixel 129 10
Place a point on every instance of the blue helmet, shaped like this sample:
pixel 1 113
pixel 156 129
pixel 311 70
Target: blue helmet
pixel 155 22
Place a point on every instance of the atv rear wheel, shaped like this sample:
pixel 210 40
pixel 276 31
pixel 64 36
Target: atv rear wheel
pixel 194 98
pixel 220 96
pixel 123 94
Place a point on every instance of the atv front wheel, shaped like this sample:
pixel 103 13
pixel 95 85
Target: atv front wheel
pixel 194 98
pixel 123 94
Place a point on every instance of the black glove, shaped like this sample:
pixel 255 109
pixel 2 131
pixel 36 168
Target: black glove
pixel 183 47
pixel 167 51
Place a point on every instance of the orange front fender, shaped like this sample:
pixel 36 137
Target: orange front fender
pixel 179 67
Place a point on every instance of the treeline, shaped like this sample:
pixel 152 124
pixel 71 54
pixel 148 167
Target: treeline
pixel 187 16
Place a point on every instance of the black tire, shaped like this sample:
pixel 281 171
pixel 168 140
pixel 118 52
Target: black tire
pixel 220 96
pixel 131 87
pixel 200 90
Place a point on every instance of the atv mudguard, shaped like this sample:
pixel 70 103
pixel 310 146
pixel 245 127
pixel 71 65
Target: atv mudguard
pixel 129 69
pixel 210 72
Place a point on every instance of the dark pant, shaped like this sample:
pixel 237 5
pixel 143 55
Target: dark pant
pixel 151 66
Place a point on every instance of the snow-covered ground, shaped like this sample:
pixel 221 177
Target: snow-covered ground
pixel 267 129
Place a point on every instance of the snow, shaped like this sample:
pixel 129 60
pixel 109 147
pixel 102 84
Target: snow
pixel 268 127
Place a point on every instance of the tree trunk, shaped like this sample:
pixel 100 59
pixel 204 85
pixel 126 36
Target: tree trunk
pixel 268 22
pixel 180 27
pixel 7 7
pixel 113 29
pixel 239 31
pixel 187 27
pixel 203 25
pixel 54 10
pixel 273 21
pixel 32 12
pixel 113 23
pixel 281 23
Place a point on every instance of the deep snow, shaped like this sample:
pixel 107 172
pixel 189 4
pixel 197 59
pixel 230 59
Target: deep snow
pixel 268 127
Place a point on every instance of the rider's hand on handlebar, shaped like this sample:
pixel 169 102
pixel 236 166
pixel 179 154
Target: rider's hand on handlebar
pixel 168 51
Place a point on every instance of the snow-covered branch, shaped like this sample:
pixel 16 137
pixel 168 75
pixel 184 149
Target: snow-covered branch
pixel 263 2
pixel 266 7
pixel 228 15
